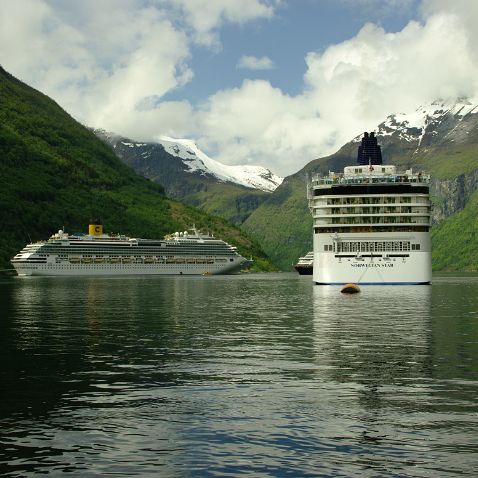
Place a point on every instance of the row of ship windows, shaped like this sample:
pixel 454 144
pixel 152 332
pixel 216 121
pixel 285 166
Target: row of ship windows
pixel 382 209
pixel 143 247
pixel 373 220
pixel 78 254
pixel 140 260
pixel 338 201
pixel 85 251
pixel 390 178
pixel 370 228
pixel 98 266
pixel 371 246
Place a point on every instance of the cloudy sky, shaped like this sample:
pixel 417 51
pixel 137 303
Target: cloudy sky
pixel 269 82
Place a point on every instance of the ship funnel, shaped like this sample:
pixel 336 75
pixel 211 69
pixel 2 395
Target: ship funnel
pixel 95 228
pixel 369 152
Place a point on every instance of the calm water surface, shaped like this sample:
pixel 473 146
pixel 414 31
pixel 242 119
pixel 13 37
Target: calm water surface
pixel 259 375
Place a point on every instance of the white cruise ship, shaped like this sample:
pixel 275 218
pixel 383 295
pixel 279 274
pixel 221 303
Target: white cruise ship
pixel 305 264
pixel 371 223
pixel 102 254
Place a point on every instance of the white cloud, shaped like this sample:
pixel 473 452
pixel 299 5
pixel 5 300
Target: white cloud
pixel 255 63
pixel 259 123
pixel 102 71
pixel 348 88
pixel 109 63
pixel 205 16
pixel 112 72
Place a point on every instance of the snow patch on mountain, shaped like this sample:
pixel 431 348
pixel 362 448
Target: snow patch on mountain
pixel 411 126
pixel 256 177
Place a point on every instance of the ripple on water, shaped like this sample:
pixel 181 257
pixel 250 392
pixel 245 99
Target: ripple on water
pixel 263 375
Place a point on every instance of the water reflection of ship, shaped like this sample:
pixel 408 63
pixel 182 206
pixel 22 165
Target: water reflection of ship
pixel 376 338
pixel 375 345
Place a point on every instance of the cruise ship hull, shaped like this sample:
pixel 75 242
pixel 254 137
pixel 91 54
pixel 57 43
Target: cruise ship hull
pixel 373 270
pixel 386 268
pixel 304 270
pixel 25 269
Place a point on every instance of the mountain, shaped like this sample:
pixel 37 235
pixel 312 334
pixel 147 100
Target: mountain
pixel 440 138
pixel 189 175
pixel 255 177
pixel 56 172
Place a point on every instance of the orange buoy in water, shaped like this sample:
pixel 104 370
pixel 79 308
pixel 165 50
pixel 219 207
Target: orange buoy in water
pixel 350 289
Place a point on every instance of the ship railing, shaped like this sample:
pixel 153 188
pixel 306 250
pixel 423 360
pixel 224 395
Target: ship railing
pixel 370 179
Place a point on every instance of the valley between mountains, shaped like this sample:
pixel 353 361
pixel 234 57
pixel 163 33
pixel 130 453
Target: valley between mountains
pixel 57 172
pixel 440 138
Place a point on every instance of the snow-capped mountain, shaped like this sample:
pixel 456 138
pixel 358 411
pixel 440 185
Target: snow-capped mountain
pixel 256 177
pixel 191 160
pixel 438 121
pixel 433 123
pixel 190 176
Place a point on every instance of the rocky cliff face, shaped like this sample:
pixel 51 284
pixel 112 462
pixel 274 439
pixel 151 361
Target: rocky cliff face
pixel 451 195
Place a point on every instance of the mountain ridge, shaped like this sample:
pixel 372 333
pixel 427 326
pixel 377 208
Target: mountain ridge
pixel 196 161
pixel 186 180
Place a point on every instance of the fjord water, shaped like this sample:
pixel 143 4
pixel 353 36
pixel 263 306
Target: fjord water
pixel 259 375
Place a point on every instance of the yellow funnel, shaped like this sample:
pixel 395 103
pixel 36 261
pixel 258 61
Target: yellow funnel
pixel 95 229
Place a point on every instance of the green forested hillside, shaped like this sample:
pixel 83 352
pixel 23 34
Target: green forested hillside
pixel 55 173
pixel 234 203
pixel 284 223
pixel 455 240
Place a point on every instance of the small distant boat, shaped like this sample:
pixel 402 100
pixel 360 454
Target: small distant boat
pixel 305 265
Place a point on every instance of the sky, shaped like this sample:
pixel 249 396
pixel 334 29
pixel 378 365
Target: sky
pixel 275 83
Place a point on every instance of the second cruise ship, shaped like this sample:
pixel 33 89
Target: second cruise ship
pixel 371 223
pixel 96 253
